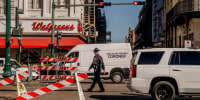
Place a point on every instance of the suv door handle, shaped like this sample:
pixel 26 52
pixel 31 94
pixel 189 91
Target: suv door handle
pixel 176 70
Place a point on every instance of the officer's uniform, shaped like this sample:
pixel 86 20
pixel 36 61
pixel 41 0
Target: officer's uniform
pixel 97 64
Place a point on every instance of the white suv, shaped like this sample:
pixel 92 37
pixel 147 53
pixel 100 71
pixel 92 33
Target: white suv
pixel 166 72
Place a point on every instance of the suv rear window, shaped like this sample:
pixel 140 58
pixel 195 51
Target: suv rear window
pixel 150 57
pixel 185 58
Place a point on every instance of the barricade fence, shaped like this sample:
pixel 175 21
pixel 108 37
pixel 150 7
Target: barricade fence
pixel 62 69
pixel 65 80
pixel 9 80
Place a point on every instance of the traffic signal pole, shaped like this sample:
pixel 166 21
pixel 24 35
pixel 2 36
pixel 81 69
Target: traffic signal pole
pixel 19 40
pixel 94 4
pixel 7 69
pixel 53 30
pixel 76 5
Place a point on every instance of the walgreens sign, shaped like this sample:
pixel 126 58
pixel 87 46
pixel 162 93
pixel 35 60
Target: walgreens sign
pixel 48 27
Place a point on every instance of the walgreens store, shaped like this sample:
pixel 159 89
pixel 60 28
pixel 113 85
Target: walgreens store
pixel 37 36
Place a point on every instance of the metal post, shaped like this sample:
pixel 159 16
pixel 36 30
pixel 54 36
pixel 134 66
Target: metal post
pixel 175 36
pixel 19 52
pixel 56 77
pixel 16 17
pixel 30 78
pixel 57 46
pixel 19 38
pixel 52 31
pixel 7 70
pixel 47 74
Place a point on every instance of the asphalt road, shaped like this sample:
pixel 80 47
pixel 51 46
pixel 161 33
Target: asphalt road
pixel 112 92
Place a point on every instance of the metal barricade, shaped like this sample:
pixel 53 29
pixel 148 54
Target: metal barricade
pixel 61 70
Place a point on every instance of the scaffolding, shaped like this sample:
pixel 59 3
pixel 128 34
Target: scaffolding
pixel 89 27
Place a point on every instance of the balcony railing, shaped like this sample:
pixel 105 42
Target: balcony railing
pixel 184 6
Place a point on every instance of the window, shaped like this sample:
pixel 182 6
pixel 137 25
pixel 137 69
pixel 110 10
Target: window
pixel 35 4
pixel 175 58
pixel 2 7
pixel 185 58
pixel 62 2
pixel 1 63
pixel 14 64
pixel 189 58
pixel 150 57
pixel 73 55
pixel 67 2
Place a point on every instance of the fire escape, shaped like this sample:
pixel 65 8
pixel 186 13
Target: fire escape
pixel 89 28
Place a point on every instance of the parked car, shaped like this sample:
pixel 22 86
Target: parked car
pixel 15 66
pixel 116 57
pixel 166 72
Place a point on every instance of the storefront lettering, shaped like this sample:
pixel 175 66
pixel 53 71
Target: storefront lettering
pixel 42 26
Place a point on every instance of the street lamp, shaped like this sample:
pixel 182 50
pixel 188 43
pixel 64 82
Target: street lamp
pixel 7 69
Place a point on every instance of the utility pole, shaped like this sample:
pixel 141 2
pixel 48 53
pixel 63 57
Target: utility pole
pixel 52 31
pixel 7 69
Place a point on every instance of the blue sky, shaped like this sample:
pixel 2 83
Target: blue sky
pixel 120 18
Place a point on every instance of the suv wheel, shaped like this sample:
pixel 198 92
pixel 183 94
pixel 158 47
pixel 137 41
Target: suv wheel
pixel 117 77
pixel 163 91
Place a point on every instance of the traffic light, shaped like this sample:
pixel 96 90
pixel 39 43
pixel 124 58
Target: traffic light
pixel 102 4
pixel 139 2
pixel 59 35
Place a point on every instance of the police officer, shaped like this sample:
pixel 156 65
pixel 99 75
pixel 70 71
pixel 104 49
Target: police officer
pixel 97 64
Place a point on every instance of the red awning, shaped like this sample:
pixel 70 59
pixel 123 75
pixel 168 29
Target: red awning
pixel 65 43
pixel 13 45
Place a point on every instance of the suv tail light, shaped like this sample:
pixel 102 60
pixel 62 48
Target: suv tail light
pixel 134 71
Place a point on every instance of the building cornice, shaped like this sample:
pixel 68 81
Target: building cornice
pixel 44 18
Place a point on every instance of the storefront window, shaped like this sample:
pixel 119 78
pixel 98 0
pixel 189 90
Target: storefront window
pixel 31 56
pixel 2 53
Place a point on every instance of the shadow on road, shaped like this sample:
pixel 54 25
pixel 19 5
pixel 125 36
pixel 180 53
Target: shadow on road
pixel 135 97
pixel 117 97
pixel 102 82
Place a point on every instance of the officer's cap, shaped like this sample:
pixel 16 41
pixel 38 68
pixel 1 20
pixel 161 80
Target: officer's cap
pixel 96 49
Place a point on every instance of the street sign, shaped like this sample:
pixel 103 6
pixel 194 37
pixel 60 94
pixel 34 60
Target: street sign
pixel 188 44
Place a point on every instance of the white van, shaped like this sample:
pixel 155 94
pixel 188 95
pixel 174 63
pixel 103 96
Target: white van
pixel 116 57
pixel 15 65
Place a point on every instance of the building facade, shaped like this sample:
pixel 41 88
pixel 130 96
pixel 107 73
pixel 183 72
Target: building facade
pixel 149 30
pixel 95 23
pixel 182 20
pixel 36 24
pixel 143 30
pixel 131 38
